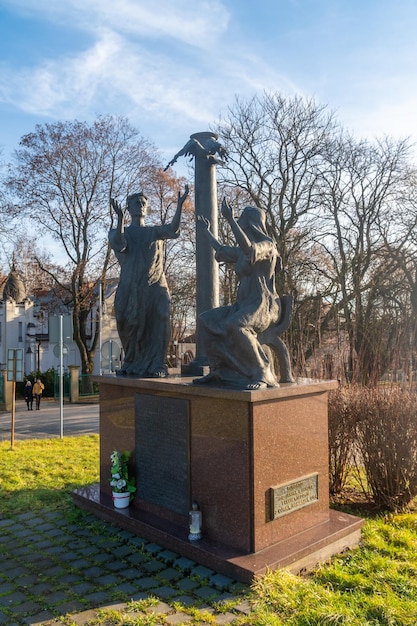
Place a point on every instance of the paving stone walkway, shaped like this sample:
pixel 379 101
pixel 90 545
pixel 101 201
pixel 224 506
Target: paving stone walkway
pixel 52 567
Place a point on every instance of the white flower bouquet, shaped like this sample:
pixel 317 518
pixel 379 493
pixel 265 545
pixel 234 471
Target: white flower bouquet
pixel 120 481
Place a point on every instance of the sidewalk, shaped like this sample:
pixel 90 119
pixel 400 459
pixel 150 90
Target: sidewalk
pixel 52 566
pixel 78 419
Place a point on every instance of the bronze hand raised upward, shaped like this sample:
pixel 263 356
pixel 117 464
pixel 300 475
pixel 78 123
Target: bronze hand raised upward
pixel 226 210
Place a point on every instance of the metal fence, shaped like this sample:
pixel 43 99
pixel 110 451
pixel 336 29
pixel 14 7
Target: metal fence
pixel 66 385
pixel 86 386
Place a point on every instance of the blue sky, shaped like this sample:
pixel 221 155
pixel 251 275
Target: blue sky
pixel 173 66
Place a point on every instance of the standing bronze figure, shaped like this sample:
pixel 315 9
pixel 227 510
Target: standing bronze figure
pixel 142 302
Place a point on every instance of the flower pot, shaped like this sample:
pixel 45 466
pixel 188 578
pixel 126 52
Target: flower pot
pixel 121 500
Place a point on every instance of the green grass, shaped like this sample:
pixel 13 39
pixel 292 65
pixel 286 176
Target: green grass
pixel 34 472
pixel 375 583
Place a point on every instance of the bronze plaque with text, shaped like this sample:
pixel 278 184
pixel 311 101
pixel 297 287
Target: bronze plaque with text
pixel 163 451
pixel 293 495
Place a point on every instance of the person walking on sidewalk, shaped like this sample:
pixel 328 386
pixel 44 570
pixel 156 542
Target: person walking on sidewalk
pixel 28 391
pixel 38 387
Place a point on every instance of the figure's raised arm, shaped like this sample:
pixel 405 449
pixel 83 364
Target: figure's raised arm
pixel 183 197
pixel 241 239
pixel 175 224
pixel 117 235
pixel 117 207
pixel 204 223
pixel 226 211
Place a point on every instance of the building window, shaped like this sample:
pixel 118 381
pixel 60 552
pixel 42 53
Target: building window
pixel 20 332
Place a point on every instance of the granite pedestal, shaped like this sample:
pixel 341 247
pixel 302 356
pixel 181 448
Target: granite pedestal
pixel 256 462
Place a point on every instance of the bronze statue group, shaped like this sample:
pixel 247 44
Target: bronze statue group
pixel 234 336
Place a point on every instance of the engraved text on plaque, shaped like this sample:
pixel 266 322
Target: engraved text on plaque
pixel 294 495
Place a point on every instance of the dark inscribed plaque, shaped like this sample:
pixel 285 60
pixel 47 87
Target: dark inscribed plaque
pixel 162 451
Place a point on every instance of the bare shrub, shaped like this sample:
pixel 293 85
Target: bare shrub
pixel 374 431
pixel 342 432
pixel 387 445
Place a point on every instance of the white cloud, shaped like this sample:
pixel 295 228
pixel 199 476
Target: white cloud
pixel 194 22
pixel 173 66
pixel 66 83
pixel 122 75
pixel 123 59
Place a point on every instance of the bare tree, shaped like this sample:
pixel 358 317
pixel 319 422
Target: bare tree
pixel 399 233
pixel 62 179
pixel 359 193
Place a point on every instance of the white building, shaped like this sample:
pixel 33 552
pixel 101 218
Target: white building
pixel 24 323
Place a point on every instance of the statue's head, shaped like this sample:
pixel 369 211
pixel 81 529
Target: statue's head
pixel 137 203
pixel 253 222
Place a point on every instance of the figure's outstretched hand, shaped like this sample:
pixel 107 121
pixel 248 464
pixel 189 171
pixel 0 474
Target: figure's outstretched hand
pixel 203 222
pixel 117 207
pixel 226 210
pixel 182 198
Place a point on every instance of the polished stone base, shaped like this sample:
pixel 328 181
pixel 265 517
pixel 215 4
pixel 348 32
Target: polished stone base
pixel 302 552
pixel 258 468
